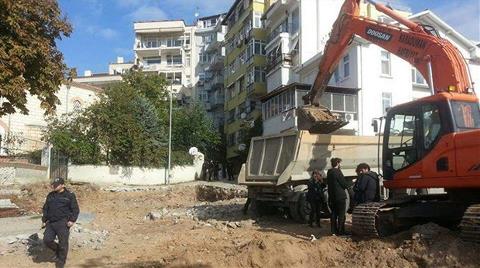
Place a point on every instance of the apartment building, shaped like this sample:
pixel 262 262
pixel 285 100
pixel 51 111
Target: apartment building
pixel 164 47
pixel 244 69
pixel 102 80
pixel 210 36
pixel 367 80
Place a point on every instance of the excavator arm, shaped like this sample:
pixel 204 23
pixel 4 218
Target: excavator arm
pixel 434 57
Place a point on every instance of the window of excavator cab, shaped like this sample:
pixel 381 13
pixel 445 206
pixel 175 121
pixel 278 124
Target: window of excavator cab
pixel 402 129
pixel 466 114
pixel 431 125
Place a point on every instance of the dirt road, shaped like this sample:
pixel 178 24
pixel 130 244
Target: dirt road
pixel 183 226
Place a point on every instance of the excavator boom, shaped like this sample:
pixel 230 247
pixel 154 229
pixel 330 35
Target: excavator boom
pixel 434 57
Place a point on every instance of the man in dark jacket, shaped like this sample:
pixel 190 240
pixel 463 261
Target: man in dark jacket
pixel 60 212
pixel 367 185
pixel 337 196
pixel 315 196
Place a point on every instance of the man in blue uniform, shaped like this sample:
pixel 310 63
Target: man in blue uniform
pixel 60 212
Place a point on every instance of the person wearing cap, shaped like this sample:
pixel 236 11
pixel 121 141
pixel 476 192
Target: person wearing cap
pixel 60 212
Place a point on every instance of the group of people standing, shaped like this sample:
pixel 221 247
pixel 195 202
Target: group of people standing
pixel 212 170
pixel 365 189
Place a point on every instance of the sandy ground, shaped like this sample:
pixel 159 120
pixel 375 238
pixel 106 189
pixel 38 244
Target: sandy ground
pixel 188 231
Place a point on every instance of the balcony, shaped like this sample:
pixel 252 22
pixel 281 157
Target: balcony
pixel 151 67
pixel 272 62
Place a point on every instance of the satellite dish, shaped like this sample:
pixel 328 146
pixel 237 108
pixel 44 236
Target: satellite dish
pixel 243 115
pixel 242 147
pixel 193 151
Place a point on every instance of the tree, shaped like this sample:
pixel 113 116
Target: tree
pixel 128 126
pixel 29 58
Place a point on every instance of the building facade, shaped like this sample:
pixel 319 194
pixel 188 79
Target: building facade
pixel 210 36
pixel 367 81
pixel 244 70
pixel 165 47
pixel 102 80
pixel 22 133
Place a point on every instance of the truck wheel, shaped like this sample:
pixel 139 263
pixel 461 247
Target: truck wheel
pixel 300 210
pixel 262 208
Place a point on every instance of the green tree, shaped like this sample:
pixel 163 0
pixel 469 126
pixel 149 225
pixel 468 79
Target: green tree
pixel 128 126
pixel 29 58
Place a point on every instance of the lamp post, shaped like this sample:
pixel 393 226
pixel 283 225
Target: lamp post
pixel 170 133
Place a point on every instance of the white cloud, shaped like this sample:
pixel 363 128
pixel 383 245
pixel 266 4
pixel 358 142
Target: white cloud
pixel 129 3
pixel 148 13
pixel 463 16
pixel 106 33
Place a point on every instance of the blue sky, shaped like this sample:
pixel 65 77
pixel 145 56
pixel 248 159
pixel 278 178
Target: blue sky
pixel 103 29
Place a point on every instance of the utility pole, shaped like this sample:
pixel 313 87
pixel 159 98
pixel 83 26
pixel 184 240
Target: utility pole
pixel 170 135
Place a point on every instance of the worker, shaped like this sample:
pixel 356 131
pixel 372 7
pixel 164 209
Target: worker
pixel 337 196
pixel 367 186
pixel 60 212
pixel 315 196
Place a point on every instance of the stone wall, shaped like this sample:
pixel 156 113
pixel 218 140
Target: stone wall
pixel 21 173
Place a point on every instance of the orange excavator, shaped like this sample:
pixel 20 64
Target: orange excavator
pixel 433 142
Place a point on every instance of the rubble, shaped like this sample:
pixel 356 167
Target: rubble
pixel 212 193
pixel 7 204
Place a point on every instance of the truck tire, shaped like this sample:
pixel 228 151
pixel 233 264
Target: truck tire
pixel 261 208
pixel 300 209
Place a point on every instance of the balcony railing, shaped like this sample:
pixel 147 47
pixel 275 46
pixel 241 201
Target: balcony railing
pixel 272 62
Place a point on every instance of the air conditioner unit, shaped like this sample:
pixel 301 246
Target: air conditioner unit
pixel 349 117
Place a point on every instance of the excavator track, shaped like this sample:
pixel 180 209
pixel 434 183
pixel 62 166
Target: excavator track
pixel 470 224
pixel 364 219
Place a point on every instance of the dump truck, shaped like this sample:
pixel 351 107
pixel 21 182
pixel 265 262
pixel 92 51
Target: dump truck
pixel 279 166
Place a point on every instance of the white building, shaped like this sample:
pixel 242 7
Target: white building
pixel 210 35
pixel 21 133
pixel 164 47
pixel 115 71
pixel 368 79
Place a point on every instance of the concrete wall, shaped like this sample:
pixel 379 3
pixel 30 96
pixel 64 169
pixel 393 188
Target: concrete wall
pixel 133 175
pixel 17 173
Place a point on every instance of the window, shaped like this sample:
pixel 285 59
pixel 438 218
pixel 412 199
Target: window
pixel 257 20
pixel 255 47
pixel 346 65
pixel 466 114
pixel 401 143
pixel 175 77
pixel 431 126
pixel 174 59
pixel 151 42
pixel 336 75
pixel 417 77
pixel 187 59
pixel 152 60
pixel 278 104
pixel 203 96
pixel 295 21
pixel 342 104
pixel 386 64
pixel 259 75
pixel 77 105
pixel 386 101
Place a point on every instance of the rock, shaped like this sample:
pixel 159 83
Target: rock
pixel 231 225
pixel 7 204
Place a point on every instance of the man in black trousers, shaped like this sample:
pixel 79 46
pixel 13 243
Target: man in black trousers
pixel 60 212
pixel 337 196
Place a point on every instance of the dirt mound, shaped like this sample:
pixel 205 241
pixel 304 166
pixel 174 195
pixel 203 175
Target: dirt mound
pixel 211 193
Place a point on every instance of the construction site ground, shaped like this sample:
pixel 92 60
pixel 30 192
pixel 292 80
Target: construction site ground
pixel 201 225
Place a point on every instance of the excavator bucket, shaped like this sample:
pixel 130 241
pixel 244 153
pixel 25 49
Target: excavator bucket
pixel 318 120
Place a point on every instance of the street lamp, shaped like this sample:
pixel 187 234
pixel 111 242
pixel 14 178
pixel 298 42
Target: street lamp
pixel 170 133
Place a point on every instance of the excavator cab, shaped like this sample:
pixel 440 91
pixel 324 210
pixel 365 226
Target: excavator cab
pixel 419 140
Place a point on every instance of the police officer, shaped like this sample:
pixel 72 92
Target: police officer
pixel 367 186
pixel 60 212
pixel 315 197
pixel 337 196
